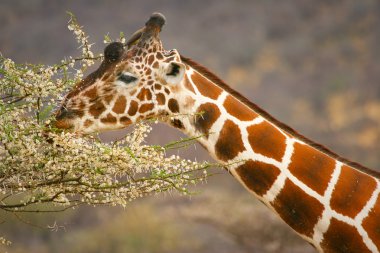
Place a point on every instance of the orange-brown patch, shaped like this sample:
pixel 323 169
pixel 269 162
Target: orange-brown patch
pixel 312 167
pixel 173 105
pixel 371 223
pixel 205 87
pixel 258 176
pixel 209 113
pixel 341 237
pixel 108 99
pixel 109 119
pixel 238 109
pixel 125 121
pixel 82 105
pixel 229 143
pixel 352 191
pixel 160 98
pixel 157 86
pixel 88 123
pixel 155 65
pixel 265 139
pixel 148 95
pixel 91 93
pixel 133 106
pixel 120 104
pixel 146 107
pixel 143 94
pixel 96 109
pixel 298 209
pixel 150 59
pixel 159 55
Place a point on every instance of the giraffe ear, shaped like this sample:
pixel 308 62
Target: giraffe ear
pixel 174 72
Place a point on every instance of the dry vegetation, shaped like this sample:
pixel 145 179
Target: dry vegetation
pixel 44 169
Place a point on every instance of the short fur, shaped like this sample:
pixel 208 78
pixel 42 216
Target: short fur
pixel 204 71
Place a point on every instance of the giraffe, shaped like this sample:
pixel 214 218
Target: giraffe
pixel 329 201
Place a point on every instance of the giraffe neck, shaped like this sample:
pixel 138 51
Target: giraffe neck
pixel 329 203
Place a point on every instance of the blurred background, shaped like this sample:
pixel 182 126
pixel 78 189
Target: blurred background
pixel 314 65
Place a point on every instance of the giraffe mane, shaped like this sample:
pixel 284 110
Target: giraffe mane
pixel 212 77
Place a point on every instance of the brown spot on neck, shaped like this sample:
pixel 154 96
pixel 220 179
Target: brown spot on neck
pixel 258 176
pixel 229 143
pixel 341 237
pixel 238 109
pixel 371 223
pixel 206 87
pixel 312 167
pixel 265 139
pixel 173 105
pixel 298 209
pixel 208 114
pixel 352 191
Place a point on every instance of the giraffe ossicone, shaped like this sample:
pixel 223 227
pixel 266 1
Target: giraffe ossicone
pixel 332 203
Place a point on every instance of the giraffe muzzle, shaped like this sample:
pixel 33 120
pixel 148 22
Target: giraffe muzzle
pixel 64 118
pixel 64 113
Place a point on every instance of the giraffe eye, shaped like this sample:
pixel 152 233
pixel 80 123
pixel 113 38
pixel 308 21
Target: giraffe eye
pixel 126 78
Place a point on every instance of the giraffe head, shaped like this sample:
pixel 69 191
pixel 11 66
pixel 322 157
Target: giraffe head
pixel 134 82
